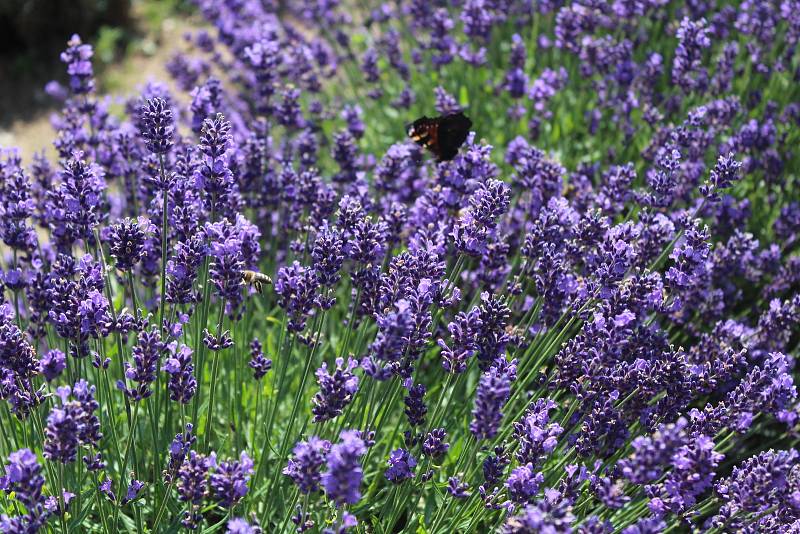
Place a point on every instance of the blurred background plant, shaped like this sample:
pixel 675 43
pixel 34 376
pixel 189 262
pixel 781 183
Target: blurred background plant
pixel 131 40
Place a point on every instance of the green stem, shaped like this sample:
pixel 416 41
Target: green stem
pixel 214 372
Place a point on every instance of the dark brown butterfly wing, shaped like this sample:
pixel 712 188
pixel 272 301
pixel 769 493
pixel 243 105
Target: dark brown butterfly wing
pixel 441 135
pixel 425 132
pixel 453 131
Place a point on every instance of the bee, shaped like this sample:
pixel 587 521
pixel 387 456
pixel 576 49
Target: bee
pixel 255 279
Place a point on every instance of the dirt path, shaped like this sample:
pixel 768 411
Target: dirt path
pixel 32 131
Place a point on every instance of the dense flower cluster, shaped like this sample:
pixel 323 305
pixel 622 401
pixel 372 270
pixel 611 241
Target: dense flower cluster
pixel 585 321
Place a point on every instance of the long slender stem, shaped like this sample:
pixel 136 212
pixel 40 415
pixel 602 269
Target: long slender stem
pixel 164 243
pixel 214 372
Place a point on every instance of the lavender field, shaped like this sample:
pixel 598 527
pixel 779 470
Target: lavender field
pixel 258 297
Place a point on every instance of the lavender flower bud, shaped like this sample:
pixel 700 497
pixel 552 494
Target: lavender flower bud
pixel 415 405
pixel 157 126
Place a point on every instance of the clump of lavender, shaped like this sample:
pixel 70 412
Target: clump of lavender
pixel 591 335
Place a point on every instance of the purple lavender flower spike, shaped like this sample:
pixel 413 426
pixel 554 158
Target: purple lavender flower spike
pixel 345 152
pixel 434 446
pixel 342 480
pixel 157 126
pixel 446 104
pixel 415 405
pixel 352 116
pixel 536 435
pixel 105 487
pixel 523 484
pixel 304 468
pixel 457 488
pixel 296 287
pixel 61 435
pixel 336 389
pixel 52 364
pixel 74 424
pixel 182 270
pixel 23 478
pixel 288 110
pixel 143 371
pixel 327 255
pixel 550 514
pixel 126 241
pixel 493 391
pixel 133 491
pixel 401 466
pixel 258 362
pixel 228 482
pixel 178 449
pixel 178 365
pixel 690 256
pixel 192 486
pixel 78 57
pixel 239 525
pixel 724 174
pixel 687 70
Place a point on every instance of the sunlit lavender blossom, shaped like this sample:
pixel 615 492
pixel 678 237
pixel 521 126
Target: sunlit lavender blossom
pixel 342 479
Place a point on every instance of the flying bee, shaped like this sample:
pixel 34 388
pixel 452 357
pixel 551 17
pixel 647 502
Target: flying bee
pixel 255 279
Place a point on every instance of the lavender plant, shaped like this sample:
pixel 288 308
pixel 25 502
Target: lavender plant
pixel 586 322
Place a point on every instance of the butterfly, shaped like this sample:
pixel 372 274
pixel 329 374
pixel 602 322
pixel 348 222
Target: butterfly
pixel 441 135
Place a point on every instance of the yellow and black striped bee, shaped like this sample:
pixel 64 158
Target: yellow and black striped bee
pixel 255 279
